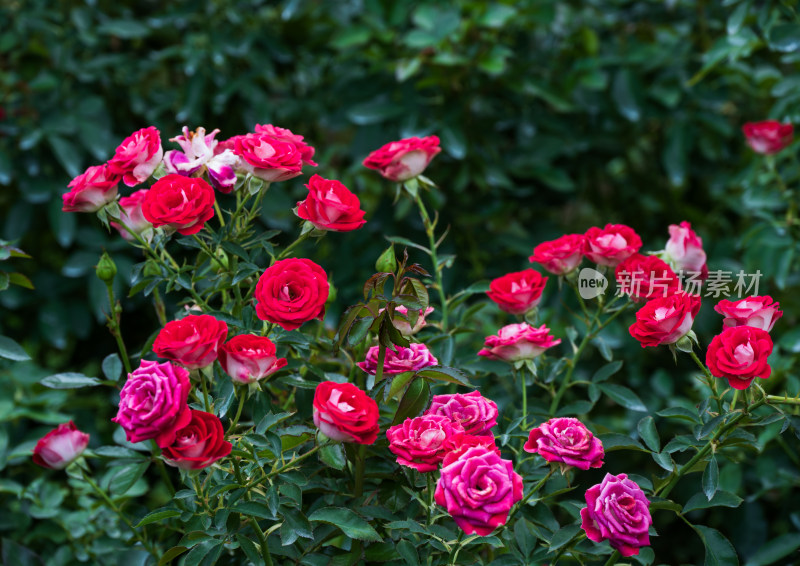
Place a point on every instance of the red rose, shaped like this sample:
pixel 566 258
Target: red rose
pixel 402 160
pixel 760 312
pixel 291 292
pixel 248 358
pixel 518 292
pixel 561 255
pixel 198 444
pixel 192 341
pixel 306 151
pixel 740 354
pixel 268 157
pixel 182 203
pixel 665 320
pixel 610 245
pixel 423 442
pixel 646 277
pixel 137 156
pixel 331 206
pixel 345 413
pixel 60 447
pixel 769 136
pixel 91 190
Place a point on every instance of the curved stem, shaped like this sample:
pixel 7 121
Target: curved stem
pixel 206 402
pixel 456 548
pixel 212 256
pixel 712 382
pixel 536 488
pixel 219 213
pixel 295 461
pixel 358 489
pixel 429 479
pixel 114 327
pixel 235 421
pixel 301 238
pixel 437 271
pixel 613 558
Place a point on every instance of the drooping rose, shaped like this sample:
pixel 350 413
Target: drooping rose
pixel 60 447
pixel 137 156
pixel 192 341
pixel 561 255
pixel 306 151
pixel 91 190
pixel 684 250
pixel 345 413
pixel 404 159
pixel 645 277
pixel 740 354
pixel 422 442
pixel 182 203
pixel 331 206
pixel 610 245
pixel 516 342
pixel 413 358
pixel 517 292
pixel 269 158
pixel 665 320
pixel 248 358
pixel 132 215
pixel 769 136
pixel 474 412
pixel 568 441
pixel 291 292
pixel 198 444
pixel 756 311
pixel 617 511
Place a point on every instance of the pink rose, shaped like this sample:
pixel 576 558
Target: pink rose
pixel 137 156
pixel 646 277
pixel 665 320
pixel 248 358
pixel 757 311
pixel 402 160
pixel 345 413
pixel 617 511
pixel 91 190
pixel 402 321
pixel 192 341
pixel 269 158
pixel 478 488
pixel 516 342
pixel 132 215
pixel 60 447
pixel 517 292
pixel 306 151
pixel 199 151
pixel 331 206
pixel 769 136
pixel 685 250
pixel 610 245
pixel 422 442
pixel 474 412
pixel 152 403
pixel 561 255
pixel 413 358
pixel 568 441
pixel 470 441
pixel 740 354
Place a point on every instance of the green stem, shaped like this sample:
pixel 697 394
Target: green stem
pixel 295 461
pixel 429 230
pixel 536 488
pixel 161 309
pixel 358 489
pixel 114 326
pixel 431 487
pixel 162 468
pixel 300 239
pixel 263 541
pixel 235 421
pixel 381 360
pixel 712 382
pixel 733 401
pixel 219 213
pixel 212 256
pixel 613 558
pixel 777 399
pixel 206 402
pixel 792 210
pixel 198 489
pixel 456 548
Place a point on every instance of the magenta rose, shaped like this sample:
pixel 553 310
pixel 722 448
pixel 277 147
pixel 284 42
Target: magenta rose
pixel 684 250
pixel 248 358
pixel 199 153
pixel 665 320
pixel 331 206
pixel 152 403
pixel 291 292
pixel 518 292
pixel 757 311
pixel 198 444
pixel 306 151
pixel 60 447
pixel 132 215
pixel 345 413
pixel 769 136
pixel 182 203
pixel 617 511
pixel 516 342
pixel 740 354
pixel 413 358
pixel 478 488
pixel 470 441
pixel 645 277
pixel 402 322
pixel 269 158
pixel 402 160
pixel 474 412
pixel 137 156
pixel 422 442
pixel 610 245
pixel 561 255
pixel 568 441
pixel 192 341
pixel 91 190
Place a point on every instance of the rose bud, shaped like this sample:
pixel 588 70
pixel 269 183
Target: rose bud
pixel 405 159
pixel 567 441
pixel 343 412
pixel 182 203
pixel 402 322
pixel 645 277
pixel 91 190
pixel 192 341
pixel 757 311
pixel 331 206
pixel 665 320
pixel 248 358
pixel 413 358
pixel 561 255
pixel 478 488
pixel 474 412
pixel 269 158
pixel 137 156
pixel 306 151
pixel 740 354
pixel 516 342
pixel 610 245
pixel 518 292
pixel 422 442
pixel 198 444
pixel 291 292
pixel 684 250
pixel 769 136
pixel 60 447
pixel 617 511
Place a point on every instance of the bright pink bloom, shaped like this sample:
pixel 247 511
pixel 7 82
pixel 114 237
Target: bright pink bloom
pixel 665 320
pixel 345 413
pixel 60 447
pixel 474 412
pixel 284 134
pixel 192 341
pixel 757 311
pixel 413 358
pixel 769 136
pixel 646 277
pixel 517 292
pixel 740 354
pixel 91 190
pixel 268 157
pixel 422 442
pixel 331 206
pixel 248 358
pixel 405 159
pixel 198 444
pixel 137 156
pixel 684 250
pixel 568 441
pixel 132 215
pixel 516 342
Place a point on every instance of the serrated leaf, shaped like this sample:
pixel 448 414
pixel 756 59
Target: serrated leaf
pixel 127 475
pixel 446 374
pixel 333 455
pixel 679 413
pixel 711 478
pixel 155 516
pixel 649 434
pixel 563 535
pixel 719 551
pixel 347 521
pixel 613 441
pixel 719 499
pixel 294 525
pixel 171 554
pixel 253 509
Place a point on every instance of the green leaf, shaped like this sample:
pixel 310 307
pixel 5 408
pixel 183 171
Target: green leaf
pixel 408 552
pixel 719 551
pixel 4 280
pixel 10 350
pixel 774 550
pixel 657 503
pixel 124 29
pixel 347 521
pixel 711 478
pixel 563 535
pixel 171 554
pixel 624 93
pixel 623 396
pixel 333 455
pixel 69 381
pixel 649 433
pixel 736 18
pixel 112 367
pixel 785 37
pixel 20 280
pixel 199 552
pixel 613 441
pixel 294 525
pixel 680 413
pixel 253 509
pixel 414 401
pixel 156 516
pixel 720 499
pixel 250 549
pixel 127 475
pixel 606 371
pixel 67 154
pixel 446 374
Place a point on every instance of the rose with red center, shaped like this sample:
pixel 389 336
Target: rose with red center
pixel 561 255
pixel 248 358
pixel 769 136
pixel 757 311
pixel 684 250
pixel 345 413
pixel 516 342
pixel 192 341
pixel 413 358
pixel 152 403
pixel 137 156
pixel 330 206
pixel 198 444
pixel 91 190
pixel 132 215
pixel 60 447
pixel 617 511
pixel 182 203
pixel 405 159
pixel 740 354
pixel 665 320
pixel 422 442
pixel 269 158
pixel 306 151
pixel 518 292
pixel 568 441
pixel 474 412
pixel 646 277
pixel 478 488
pixel 610 245
pixel 291 292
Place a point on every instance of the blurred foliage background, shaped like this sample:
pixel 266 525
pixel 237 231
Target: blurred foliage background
pixel 553 115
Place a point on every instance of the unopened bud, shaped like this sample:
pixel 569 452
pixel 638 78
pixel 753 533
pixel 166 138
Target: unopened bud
pixel 387 262
pixel 106 269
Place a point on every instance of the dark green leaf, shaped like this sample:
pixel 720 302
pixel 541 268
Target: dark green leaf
pixel 711 478
pixel 333 455
pixel 69 381
pixel 445 374
pixel 606 371
pixel 623 396
pixel 720 499
pixel 774 550
pixel 156 516
pixel 785 37
pixel 126 476
pixel 563 535
pixel 719 551
pixel 414 401
pixel 253 509
pixel 347 521
pixel 112 367
pixel 649 433
pixel 10 350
